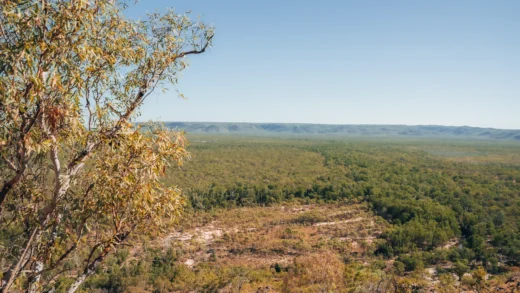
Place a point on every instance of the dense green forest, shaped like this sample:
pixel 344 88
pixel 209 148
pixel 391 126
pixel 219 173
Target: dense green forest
pixel 453 205
pixel 431 191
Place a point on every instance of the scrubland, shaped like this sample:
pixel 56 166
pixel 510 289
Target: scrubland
pixel 307 215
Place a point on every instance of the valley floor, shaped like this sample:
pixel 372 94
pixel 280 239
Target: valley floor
pixel 293 248
pixel 300 215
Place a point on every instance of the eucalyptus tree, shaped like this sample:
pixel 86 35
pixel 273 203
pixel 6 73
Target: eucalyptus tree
pixel 78 178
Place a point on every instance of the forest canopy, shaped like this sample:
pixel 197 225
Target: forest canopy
pixel 431 191
pixel 383 212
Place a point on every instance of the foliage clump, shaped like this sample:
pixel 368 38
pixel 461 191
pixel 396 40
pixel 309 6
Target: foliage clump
pixel 78 177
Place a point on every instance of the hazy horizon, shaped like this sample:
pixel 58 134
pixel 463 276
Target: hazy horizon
pixel 349 62
pixel 310 123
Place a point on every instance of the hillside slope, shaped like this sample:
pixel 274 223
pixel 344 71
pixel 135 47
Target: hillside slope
pixel 346 130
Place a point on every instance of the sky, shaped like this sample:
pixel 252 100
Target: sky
pixel 411 62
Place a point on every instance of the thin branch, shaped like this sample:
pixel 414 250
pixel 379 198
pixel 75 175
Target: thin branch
pixel 208 42
pixel 9 163
pixel 13 273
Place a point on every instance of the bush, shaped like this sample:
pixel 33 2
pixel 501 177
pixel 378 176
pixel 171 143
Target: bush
pixel 322 272
pixel 399 268
pixel 309 218
pixel 411 262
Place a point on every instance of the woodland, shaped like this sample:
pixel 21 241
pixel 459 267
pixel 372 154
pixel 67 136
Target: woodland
pixel 92 201
pixel 429 214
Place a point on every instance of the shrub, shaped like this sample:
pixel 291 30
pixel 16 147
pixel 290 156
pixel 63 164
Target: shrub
pixel 321 272
pixel 399 268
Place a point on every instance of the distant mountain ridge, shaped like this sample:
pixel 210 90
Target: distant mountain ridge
pixel 346 130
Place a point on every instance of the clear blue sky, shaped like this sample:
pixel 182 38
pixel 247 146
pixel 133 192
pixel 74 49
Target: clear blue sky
pixel 350 62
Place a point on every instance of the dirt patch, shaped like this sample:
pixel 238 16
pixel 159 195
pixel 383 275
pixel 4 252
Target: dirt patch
pixel 339 222
pixel 205 235
pixel 263 237
pixel 452 243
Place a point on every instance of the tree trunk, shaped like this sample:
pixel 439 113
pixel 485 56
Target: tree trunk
pixel 89 270
pixel 34 285
pixel 79 281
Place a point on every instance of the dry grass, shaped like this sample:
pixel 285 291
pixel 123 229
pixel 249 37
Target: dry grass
pixel 276 243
